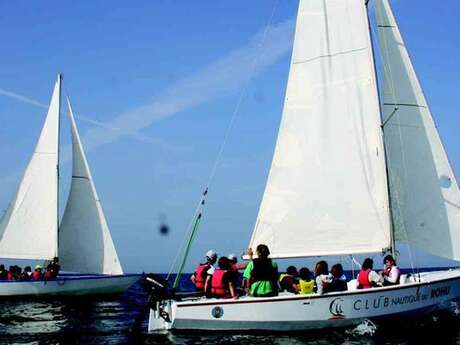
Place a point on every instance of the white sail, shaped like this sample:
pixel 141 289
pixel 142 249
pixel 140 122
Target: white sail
pixel 85 243
pixel 28 229
pixel 424 193
pixel 326 192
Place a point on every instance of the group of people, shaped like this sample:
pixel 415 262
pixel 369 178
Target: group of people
pixel 17 273
pixel 261 277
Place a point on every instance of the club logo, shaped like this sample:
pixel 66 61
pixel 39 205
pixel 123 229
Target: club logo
pixel 336 309
pixel 217 312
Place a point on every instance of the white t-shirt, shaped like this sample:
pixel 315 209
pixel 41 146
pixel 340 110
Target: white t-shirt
pixel 393 275
pixel 319 280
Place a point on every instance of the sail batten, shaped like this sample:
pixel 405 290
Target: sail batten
pixel 326 192
pixel 85 243
pixel 424 192
pixel 28 229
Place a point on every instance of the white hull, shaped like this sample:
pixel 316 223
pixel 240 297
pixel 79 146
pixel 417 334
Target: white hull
pixel 291 312
pixel 69 285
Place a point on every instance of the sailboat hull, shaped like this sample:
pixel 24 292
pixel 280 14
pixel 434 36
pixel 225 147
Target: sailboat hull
pixel 291 312
pixel 70 285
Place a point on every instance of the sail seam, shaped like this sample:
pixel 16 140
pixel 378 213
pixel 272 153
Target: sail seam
pixel 329 55
pixel 405 105
pixel 386 26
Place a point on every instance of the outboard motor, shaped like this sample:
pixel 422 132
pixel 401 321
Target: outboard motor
pixel 157 288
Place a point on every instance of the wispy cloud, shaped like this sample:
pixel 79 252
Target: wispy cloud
pixel 216 80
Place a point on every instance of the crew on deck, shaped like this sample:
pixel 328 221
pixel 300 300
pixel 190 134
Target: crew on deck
pixel 391 272
pixel 203 273
pixel 223 281
pixel 306 284
pixel 368 278
pixel 262 274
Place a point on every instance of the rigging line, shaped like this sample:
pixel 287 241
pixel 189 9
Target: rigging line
pixel 227 132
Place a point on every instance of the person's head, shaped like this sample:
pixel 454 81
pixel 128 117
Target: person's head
pixel 211 256
pixel 56 260
pixel 389 261
pixel 233 259
pixel 223 263
pixel 337 270
pixel 38 268
pixel 321 268
pixel 2 267
pixel 27 269
pixel 291 270
pixel 368 264
pixel 262 251
pixel 304 273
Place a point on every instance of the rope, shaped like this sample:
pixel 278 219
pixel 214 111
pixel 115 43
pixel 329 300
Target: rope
pixel 190 233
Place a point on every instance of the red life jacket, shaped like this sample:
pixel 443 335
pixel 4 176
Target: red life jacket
pixel 386 272
pixel 36 275
pixel 199 275
pixel 9 276
pixel 49 275
pixel 217 283
pixel 363 279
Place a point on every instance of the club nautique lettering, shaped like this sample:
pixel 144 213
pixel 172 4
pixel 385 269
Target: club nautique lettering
pixel 384 302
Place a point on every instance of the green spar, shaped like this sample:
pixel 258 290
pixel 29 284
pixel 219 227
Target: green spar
pixel 187 250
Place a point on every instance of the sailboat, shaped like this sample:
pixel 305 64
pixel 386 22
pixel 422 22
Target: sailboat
pixel 351 174
pixel 30 228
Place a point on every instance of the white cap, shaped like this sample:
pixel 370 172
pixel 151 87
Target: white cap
pixel 232 257
pixel 211 254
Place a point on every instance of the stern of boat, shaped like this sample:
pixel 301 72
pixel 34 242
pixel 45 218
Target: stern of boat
pixel 160 318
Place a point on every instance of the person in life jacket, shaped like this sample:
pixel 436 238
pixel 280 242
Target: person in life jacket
pixel 391 272
pixel 201 278
pixel 288 280
pixel 339 280
pixel 3 273
pixel 223 281
pixel 37 273
pixel 367 278
pixel 322 277
pixel 306 285
pixel 263 273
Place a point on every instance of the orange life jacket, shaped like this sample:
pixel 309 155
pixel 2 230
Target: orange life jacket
pixel 363 279
pixel 217 282
pixel 199 275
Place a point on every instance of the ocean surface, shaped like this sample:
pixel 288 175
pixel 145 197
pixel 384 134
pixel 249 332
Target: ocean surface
pixel 123 320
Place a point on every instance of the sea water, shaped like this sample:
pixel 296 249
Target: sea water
pixel 123 320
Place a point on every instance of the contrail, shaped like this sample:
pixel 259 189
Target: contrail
pixel 218 79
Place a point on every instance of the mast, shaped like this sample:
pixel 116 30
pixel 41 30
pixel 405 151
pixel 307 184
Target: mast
pixel 382 126
pixel 57 165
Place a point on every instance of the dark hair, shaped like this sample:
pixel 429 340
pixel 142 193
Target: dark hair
pixel 2 267
pixel 367 264
pixel 291 270
pixel 27 269
pixel 321 268
pixel 305 274
pixel 262 251
pixel 337 270
pixel 223 263
pixel 390 258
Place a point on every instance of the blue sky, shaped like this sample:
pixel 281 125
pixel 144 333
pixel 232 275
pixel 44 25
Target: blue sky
pixel 154 86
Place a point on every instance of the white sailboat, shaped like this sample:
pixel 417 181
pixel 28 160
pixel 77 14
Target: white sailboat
pixel 346 178
pixel 30 227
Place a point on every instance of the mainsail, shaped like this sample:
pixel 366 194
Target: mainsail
pixel 327 191
pixel 425 197
pixel 85 244
pixel 28 229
